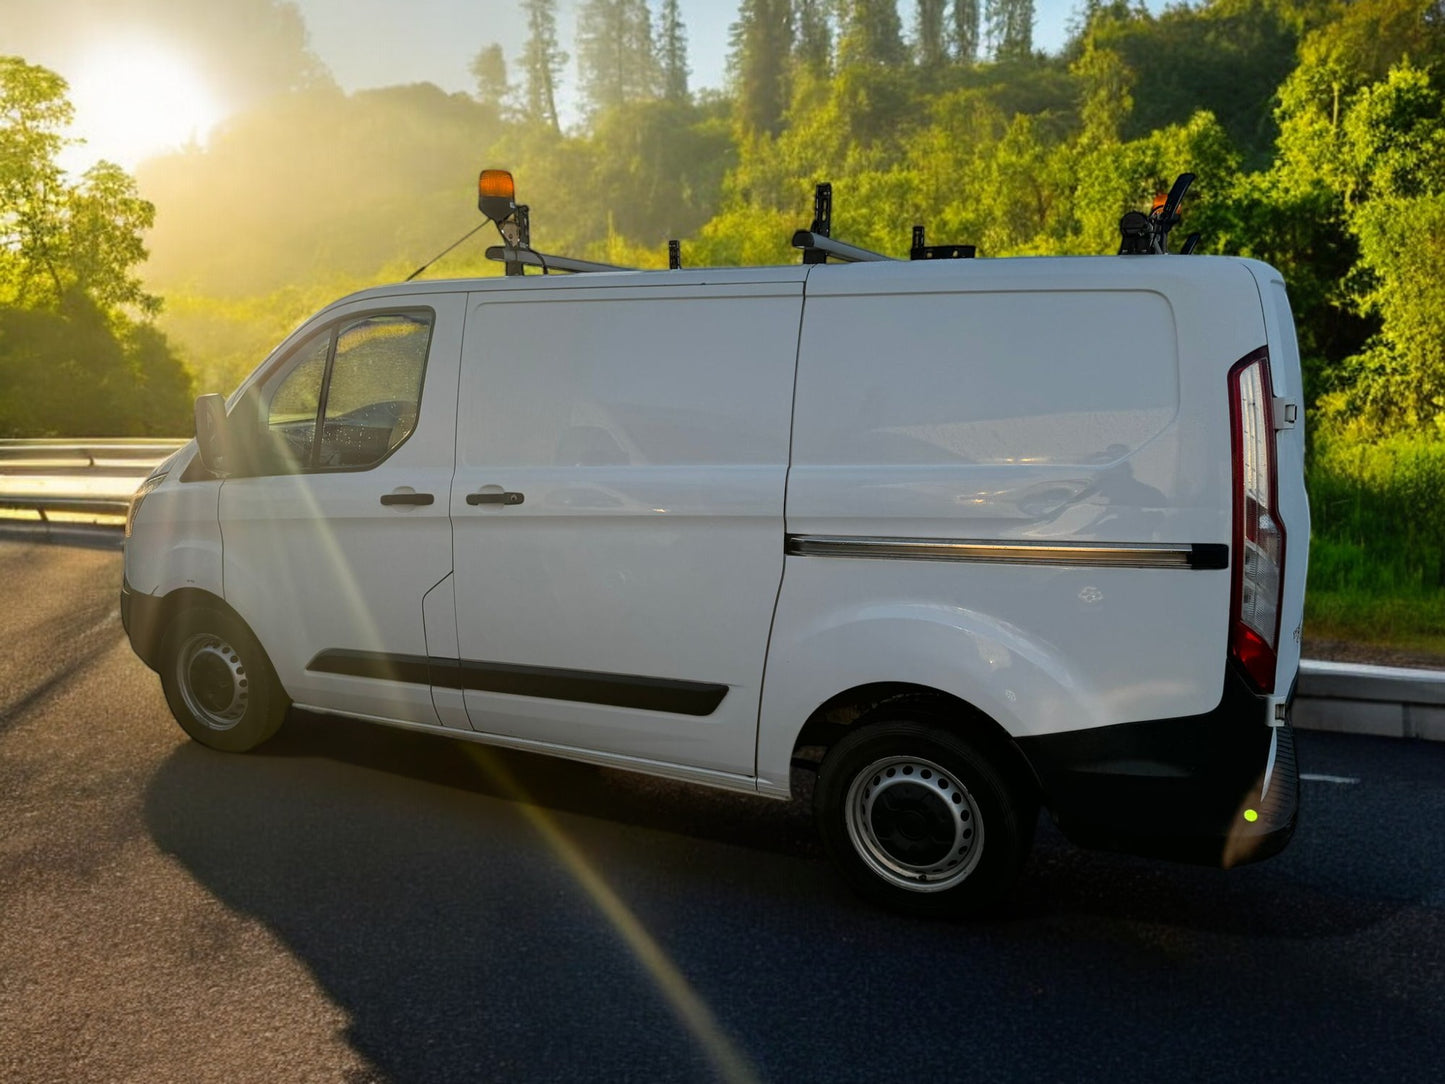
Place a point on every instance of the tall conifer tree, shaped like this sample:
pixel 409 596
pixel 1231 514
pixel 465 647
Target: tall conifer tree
pixel 616 57
pixel 965 31
pixel 930 43
pixel 673 53
pixel 872 33
pixel 762 46
pixel 814 48
pixel 1010 28
pixel 542 61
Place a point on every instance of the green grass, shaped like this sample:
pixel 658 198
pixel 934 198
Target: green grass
pixel 1377 553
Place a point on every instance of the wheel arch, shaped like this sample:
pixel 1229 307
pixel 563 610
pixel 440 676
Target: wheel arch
pixel 839 714
pixel 150 633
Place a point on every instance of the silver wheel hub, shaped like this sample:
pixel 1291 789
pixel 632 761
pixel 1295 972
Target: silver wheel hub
pixel 914 824
pixel 213 681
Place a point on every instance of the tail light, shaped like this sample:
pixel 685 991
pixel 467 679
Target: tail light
pixel 1258 563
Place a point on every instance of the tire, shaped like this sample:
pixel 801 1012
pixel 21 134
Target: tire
pixel 919 819
pixel 218 682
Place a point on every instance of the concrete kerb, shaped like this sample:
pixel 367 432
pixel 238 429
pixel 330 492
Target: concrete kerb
pixel 1352 698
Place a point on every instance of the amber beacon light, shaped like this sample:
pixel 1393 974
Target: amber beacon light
pixel 496 194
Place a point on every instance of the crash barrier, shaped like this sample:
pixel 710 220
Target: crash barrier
pixel 88 477
pixel 1385 700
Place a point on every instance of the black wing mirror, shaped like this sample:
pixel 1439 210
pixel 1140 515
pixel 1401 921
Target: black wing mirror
pixel 213 436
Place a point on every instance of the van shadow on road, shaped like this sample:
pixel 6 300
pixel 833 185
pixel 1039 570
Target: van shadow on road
pixel 429 907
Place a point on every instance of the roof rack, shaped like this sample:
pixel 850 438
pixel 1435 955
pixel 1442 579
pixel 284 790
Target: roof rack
pixel 819 245
pixel 1148 235
pixel 520 257
pixel 1139 233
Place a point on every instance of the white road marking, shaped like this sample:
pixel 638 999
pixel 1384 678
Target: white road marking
pixel 1310 777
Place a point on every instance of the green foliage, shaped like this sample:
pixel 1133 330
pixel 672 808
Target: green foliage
pixel 871 34
pixel 75 370
pixel 73 358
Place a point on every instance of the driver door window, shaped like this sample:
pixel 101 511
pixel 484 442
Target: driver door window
pixel 349 396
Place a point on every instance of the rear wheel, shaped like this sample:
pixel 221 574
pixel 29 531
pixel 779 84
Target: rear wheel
pixel 218 682
pixel 920 819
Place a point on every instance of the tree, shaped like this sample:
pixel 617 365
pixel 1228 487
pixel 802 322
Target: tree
pixel 489 70
pixel 72 359
pixel 762 42
pixel 672 49
pixel 616 59
pixel 930 42
pixel 1010 28
pixel 58 236
pixel 813 48
pixel 542 62
pixel 872 34
pixel 965 31
pixel 33 114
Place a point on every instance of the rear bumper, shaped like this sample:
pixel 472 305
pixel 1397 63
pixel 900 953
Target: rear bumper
pixel 140 615
pixel 1220 788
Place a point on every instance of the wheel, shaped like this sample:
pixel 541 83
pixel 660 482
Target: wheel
pixel 218 681
pixel 919 819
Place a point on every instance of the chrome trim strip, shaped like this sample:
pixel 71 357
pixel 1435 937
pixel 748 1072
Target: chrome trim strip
pixel 1091 554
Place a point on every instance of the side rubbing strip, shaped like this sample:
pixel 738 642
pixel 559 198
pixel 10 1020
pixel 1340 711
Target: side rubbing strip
pixel 1206 555
pixel 548 683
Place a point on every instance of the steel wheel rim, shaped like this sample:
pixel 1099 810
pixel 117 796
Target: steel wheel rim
pixel 914 823
pixel 213 682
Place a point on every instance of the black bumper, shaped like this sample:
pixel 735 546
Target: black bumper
pixel 141 615
pixel 1220 788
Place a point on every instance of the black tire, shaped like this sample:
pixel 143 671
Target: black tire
pixel 218 682
pixel 922 820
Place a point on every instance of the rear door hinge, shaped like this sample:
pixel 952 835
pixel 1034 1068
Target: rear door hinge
pixel 1286 413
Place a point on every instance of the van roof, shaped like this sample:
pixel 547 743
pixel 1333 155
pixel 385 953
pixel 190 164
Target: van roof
pixel 901 276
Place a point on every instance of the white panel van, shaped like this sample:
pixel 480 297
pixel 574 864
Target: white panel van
pixel 967 537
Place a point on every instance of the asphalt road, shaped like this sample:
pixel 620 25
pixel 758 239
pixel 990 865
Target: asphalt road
pixel 356 904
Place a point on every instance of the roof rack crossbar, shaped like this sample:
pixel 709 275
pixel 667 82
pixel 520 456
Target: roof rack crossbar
pixel 548 262
pixel 826 247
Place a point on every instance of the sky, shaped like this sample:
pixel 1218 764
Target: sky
pixel 435 40
pixel 150 75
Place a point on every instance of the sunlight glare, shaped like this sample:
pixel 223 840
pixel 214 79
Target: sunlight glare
pixel 135 99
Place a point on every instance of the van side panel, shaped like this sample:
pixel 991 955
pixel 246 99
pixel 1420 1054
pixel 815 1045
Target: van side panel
pixel 621 604
pixel 1012 408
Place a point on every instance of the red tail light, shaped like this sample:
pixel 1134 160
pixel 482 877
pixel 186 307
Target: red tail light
pixel 1258 550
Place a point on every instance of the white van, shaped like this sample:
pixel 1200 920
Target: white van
pixel 967 536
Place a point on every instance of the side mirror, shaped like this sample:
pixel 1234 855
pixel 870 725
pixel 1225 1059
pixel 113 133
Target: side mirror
pixel 212 433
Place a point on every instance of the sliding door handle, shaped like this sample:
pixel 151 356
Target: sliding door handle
pixel 495 497
pixel 407 498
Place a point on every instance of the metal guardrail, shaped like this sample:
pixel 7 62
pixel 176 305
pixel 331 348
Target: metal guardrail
pixel 86 477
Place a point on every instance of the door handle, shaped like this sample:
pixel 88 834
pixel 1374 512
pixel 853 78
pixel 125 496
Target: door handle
pixel 495 498
pixel 407 498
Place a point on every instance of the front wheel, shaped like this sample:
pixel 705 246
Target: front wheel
pixel 218 682
pixel 920 819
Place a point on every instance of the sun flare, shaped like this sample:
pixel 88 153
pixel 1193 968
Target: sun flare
pixel 136 99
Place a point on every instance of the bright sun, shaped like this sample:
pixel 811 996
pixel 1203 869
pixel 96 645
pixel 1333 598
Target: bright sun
pixel 136 99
